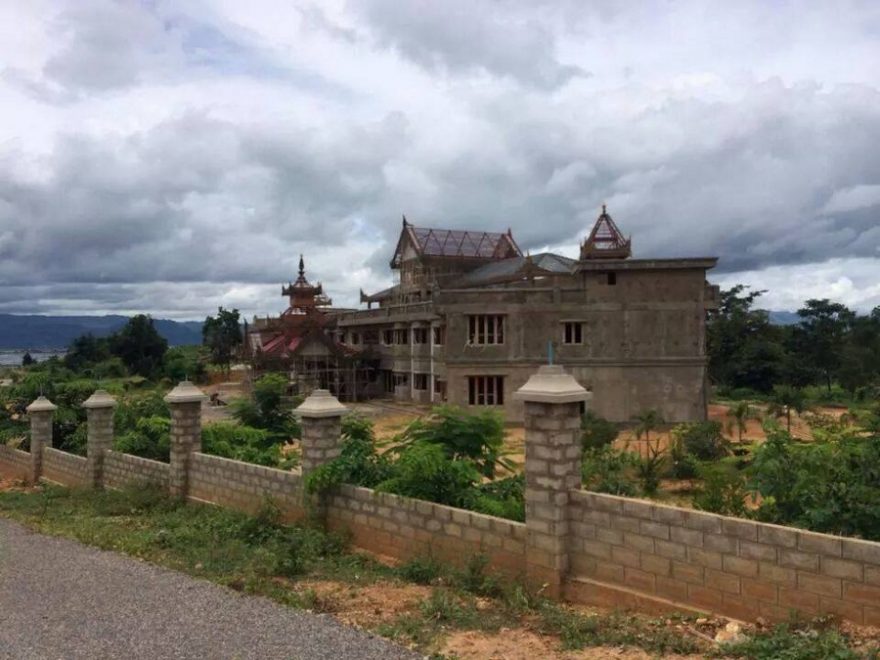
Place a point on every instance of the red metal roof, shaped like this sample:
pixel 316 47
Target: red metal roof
pixel 457 243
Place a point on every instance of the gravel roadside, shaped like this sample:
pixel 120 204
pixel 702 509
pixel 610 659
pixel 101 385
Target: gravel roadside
pixel 60 599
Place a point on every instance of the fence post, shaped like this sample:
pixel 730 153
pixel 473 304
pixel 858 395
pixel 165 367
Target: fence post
pixel 40 413
pixel 552 401
pixel 185 402
pixel 321 415
pixel 99 414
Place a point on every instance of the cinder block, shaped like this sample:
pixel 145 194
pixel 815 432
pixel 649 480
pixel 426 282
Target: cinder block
pixel 670 550
pixel 705 558
pixel 797 599
pixel 638 542
pixel 820 584
pixel 794 559
pixel 687 572
pixel 866 551
pixel 844 609
pixel 862 593
pixel 820 544
pixel 638 579
pixel 727 545
pixel 740 566
pixel 688 537
pixel 625 556
pixel 751 550
pixel 656 565
pixel 842 568
pixel 722 581
pixel 759 590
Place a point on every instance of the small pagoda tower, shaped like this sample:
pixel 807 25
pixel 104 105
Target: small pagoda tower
pixel 606 240
pixel 304 296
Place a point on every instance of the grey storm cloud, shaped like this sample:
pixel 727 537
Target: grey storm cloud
pixel 188 157
pixel 466 37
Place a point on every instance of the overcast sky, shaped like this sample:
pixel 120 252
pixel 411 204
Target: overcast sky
pixel 172 156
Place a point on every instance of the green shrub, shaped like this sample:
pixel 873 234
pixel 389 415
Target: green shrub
pixel 682 464
pixel 703 440
pixel 610 471
pixel 597 432
pixel 358 462
pixel 477 439
pixel 268 409
pixel 722 490
pixel 243 443
pixel 788 641
pixel 424 471
pixel 503 498
pixel 828 486
pixel 150 438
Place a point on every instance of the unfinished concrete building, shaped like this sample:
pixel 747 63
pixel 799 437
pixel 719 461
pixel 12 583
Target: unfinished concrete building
pixel 471 317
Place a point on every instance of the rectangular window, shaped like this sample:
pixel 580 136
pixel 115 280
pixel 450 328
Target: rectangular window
pixel 388 337
pixel 355 339
pixel 401 336
pixel 439 335
pixel 420 381
pixel 486 390
pixel 388 380
pixel 486 329
pixel 611 279
pixel 401 379
pixel 420 335
pixel 440 388
pixel 371 337
pixel 573 333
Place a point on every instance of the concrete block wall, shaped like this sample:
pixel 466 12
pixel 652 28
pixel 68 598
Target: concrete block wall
pixel 16 461
pixel 244 486
pixel 64 468
pixel 124 469
pixel 407 528
pixel 627 552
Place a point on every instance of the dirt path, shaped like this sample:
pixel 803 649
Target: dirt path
pixel 60 599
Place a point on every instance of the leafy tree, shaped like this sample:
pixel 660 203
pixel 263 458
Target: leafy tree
pixel 150 438
pixel 830 486
pixel 222 335
pixel 744 349
pixel 607 470
pixel 823 327
pixel 86 350
pixel 786 399
pixel 27 359
pixel 723 490
pixel 702 440
pixel 597 432
pixel 139 346
pixel 476 438
pixel 268 409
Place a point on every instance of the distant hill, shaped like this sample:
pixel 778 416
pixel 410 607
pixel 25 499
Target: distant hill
pixel 784 318
pixel 29 332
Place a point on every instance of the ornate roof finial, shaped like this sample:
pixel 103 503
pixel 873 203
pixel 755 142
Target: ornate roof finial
pixel 302 266
pixel 604 212
pixel 404 221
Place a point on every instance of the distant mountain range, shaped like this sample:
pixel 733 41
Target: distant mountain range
pixel 784 318
pixel 31 332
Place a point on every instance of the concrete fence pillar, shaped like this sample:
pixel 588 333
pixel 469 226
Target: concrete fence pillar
pixel 321 415
pixel 40 413
pixel 185 402
pixel 99 413
pixel 552 401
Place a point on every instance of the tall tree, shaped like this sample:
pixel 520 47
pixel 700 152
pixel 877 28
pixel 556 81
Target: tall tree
pixel 823 328
pixel 744 349
pixel 139 345
pixel 222 334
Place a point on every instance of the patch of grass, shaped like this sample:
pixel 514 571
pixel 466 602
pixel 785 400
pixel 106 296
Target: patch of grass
pixel 578 631
pixel 796 642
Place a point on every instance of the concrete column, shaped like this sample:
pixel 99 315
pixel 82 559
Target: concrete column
pixel 185 401
pixel 40 413
pixel 321 415
pixel 552 401
pixel 99 412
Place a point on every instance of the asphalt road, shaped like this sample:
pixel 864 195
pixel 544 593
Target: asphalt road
pixel 60 599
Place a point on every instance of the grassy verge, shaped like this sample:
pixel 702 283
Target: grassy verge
pixel 259 555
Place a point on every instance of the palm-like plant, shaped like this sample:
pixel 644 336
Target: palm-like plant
pixel 646 422
pixel 786 399
pixel 738 417
pixel 650 467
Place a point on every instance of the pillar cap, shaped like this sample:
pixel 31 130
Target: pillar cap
pixel 550 384
pixel 185 392
pixel 41 404
pixel 99 399
pixel 321 403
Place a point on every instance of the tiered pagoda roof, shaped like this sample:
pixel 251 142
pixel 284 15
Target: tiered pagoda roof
pixel 606 240
pixel 304 296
